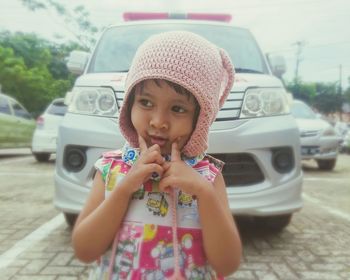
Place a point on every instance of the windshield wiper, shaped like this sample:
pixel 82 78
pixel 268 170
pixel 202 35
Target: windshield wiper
pixel 246 70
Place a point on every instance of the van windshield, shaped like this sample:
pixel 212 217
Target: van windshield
pixel 118 45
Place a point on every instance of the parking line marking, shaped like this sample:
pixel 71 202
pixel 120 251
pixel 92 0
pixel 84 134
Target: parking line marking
pixel 36 174
pixel 324 179
pixel 30 240
pixel 11 160
pixel 331 210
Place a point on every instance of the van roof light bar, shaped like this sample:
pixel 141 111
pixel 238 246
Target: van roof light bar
pixel 132 16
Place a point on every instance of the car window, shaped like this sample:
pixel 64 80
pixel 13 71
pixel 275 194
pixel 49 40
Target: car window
pixel 19 110
pixel 57 108
pixel 4 106
pixel 118 45
pixel 301 110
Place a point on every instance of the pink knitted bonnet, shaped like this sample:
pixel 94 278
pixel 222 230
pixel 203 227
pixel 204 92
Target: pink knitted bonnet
pixel 194 63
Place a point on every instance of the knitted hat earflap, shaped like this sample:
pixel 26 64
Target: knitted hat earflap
pixel 227 81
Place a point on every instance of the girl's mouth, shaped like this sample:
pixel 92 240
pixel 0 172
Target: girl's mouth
pixel 158 140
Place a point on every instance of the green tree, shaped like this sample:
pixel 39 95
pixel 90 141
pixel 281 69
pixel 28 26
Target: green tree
pixel 33 70
pixel 328 100
pixel 347 93
pixel 302 91
pixel 32 49
pixel 328 103
pixel 323 96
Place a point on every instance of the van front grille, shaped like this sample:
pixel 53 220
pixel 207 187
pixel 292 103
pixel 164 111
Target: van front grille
pixel 309 133
pixel 240 170
pixel 232 107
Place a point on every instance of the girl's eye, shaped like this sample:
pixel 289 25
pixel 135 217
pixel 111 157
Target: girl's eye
pixel 145 102
pixel 178 109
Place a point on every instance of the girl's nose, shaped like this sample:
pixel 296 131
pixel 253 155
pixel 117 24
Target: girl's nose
pixel 159 121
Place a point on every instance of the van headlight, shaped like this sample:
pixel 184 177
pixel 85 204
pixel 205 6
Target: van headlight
pixel 100 101
pixel 264 102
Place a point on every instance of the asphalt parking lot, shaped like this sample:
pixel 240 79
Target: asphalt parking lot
pixel 35 241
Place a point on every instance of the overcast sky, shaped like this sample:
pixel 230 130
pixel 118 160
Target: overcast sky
pixel 322 25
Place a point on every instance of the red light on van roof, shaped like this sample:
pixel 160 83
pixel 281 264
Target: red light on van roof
pixel 131 16
pixel 216 17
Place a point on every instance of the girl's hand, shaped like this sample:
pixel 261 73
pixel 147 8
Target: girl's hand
pixel 149 161
pixel 177 174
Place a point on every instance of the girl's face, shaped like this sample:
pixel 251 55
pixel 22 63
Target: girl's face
pixel 163 116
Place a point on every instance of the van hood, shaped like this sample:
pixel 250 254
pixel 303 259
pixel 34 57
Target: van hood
pixel 113 80
pixel 117 81
pixel 311 124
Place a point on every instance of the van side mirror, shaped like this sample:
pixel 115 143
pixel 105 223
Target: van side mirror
pixel 77 61
pixel 277 65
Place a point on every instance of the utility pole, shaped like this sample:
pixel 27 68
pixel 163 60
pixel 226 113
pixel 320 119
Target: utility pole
pixel 300 45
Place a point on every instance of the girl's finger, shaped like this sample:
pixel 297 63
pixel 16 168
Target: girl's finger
pixel 166 165
pixel 142 144
pixel 153 157
pixel 164 186
pixel 165 182
pixel 175 153
pixel 155 147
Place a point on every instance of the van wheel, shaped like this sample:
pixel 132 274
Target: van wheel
pixel 275 223
pixel 328 164
pixel 70 219
pixel 42 157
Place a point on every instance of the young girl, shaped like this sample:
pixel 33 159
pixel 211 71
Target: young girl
pixel 158 208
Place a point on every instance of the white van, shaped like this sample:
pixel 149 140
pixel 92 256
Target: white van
pixel 254 133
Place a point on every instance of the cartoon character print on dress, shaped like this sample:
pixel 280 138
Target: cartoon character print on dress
pixel 133 256
pixel 185 200
pixel 157 204
pixel 139 194
pixel 127 250
pixel 157 253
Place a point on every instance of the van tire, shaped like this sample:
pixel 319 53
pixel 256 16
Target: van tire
pixel 328 164
pixel 70 219
pixel 41 157
pixel 274 223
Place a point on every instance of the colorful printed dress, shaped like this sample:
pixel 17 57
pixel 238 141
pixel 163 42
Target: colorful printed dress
pixel 145 240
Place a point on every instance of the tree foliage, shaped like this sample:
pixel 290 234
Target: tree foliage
pixel 302 91
pixel 325 97
pixel 33 70
pixel 328 103
pixel 347 93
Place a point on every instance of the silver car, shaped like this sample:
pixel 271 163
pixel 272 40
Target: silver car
pixel 319 140
pixel 45 135
pixel 254 133
pixel 345 144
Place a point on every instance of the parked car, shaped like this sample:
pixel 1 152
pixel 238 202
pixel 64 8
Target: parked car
pixel 342 130
pixel 16 124
pixel 345 144
pixel 45 135
pixel 319 140
pixel 254 133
